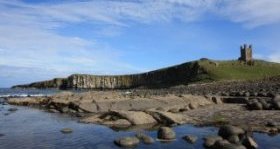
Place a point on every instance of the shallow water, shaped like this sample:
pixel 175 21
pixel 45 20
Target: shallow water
pixel 29 128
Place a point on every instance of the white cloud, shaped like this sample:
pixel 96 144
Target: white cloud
pixel 252 13
pixel 29 36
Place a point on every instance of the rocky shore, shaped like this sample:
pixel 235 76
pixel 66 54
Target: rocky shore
pixel 252 106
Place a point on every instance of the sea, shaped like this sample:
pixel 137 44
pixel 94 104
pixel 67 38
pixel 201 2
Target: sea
pixel 31 128
pixel 9 92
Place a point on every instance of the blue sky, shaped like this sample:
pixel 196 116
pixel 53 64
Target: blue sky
pixel 45 39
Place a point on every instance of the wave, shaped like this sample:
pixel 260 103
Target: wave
pixel 21 95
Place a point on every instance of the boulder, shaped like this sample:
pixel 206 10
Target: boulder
pixel 145 138
pixel 224 144
pixel 228 131
pixel 234 139
pixel 127 142
pixel 255 106
pixel 166 133
pixel 210 140
pixel 148 140
pixel 190 138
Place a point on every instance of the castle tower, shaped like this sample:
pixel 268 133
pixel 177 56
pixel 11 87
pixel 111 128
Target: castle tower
pixel 246 53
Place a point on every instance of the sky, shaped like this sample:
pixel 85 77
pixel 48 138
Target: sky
pixel 43 39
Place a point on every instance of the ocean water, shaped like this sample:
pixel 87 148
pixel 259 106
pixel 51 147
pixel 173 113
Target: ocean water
pixel 8 92
pixel 29 128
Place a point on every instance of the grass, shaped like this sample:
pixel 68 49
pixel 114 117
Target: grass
pixel 236 70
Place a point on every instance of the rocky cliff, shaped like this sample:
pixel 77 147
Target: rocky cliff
pixel 175 75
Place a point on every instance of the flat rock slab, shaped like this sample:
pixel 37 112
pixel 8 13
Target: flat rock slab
pixel 27 101
pixel 121 118
pixel 136 117
pixel 169 118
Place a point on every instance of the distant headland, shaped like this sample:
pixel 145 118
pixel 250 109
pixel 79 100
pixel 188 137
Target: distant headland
pixel 203 70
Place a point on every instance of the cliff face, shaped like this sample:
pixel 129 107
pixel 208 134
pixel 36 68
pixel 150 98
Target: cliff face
pixel 179 74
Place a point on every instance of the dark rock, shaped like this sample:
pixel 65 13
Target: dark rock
pixel 64 110
pixel 271 124
pixel 66 130
pixel 250 143
pixel 53 111
pixel 166 133
pixel 12 109
pixel 145 138
pixel 2 135
pixel 256 106
pixel 148 140
pixel 224 144
pixel 210 140
pixel 127 141
pixel 228 130
pixel 234 139
pixel 190 138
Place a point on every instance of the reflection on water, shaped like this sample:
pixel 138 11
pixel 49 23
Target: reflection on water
pixel 29 128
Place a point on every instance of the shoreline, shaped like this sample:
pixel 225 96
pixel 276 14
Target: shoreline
pixel 170 107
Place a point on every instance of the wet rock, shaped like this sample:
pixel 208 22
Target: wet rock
pixel 53 111
pixel 250 143
pixel 64 110
pixel 228 130
pixel 12 109
pixel 127 142
pixel 66 130
pixel 145 138
pixel 166 133
pixel 190 138
pixel 119 123
pixel 210 140
pixel 224 144
pixel 148 140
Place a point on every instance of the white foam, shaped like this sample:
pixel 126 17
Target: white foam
pixel 21 95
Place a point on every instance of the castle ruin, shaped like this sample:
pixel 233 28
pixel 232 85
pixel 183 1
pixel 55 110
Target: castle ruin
pixel 246 53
